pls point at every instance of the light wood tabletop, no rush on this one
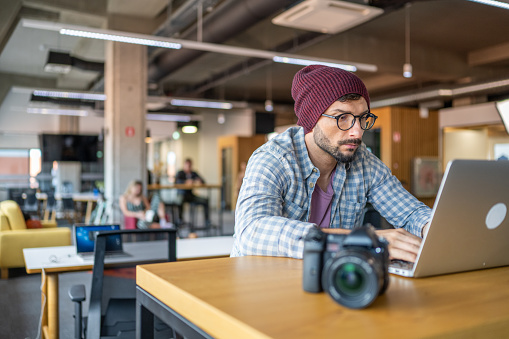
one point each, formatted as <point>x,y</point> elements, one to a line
<point>262,297</point>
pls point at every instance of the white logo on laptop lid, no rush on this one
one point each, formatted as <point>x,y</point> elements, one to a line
<point>496,215</point>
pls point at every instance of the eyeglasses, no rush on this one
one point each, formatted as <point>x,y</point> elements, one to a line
<point>346,121</point>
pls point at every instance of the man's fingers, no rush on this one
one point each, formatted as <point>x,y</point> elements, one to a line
<point>396,253</point>
<point>402,245</point>
<point>405,244</point>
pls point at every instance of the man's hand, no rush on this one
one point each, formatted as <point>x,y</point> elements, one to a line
<point>402,244</point>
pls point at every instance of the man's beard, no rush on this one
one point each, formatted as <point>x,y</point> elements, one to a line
<point>324,144</point>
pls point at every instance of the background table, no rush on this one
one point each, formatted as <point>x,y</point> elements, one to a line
<point>56,260</point>
<point>89,198</point>
<point>208,187</point>
<point>262,297</point>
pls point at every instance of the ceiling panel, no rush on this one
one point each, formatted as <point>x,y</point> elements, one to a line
<point>137,8</point>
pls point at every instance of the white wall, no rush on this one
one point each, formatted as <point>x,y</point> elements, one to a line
<point>467,141</point>
<point>465,144</point>
<point>238,123</point>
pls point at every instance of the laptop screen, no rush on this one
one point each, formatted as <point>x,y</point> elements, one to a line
<point>85,238</point>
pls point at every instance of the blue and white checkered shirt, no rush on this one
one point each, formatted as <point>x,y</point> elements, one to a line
<point>275,198</point>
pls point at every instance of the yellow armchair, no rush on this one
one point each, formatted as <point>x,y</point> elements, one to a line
<point>14,236</point>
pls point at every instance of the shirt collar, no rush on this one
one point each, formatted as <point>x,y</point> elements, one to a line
<point>302,153</point>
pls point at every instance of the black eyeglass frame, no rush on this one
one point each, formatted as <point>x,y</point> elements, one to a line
<point>355,117</point>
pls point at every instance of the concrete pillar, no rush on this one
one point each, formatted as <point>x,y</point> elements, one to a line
<point>124,119</point>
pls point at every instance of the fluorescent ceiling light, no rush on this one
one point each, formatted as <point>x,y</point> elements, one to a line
<point>151,40</point>
<point>307,62</point>
<point>503,110</point>
<point>202,104</point>
<point>55,111</point>
<point>494,3</point>
<point>70,95</point>
<point>152,102</point>
<point>167,117</point>
<point>120,38</point>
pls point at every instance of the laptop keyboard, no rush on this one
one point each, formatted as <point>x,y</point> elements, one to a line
<point>402,264</point>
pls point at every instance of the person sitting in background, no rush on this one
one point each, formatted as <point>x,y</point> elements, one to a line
<point>134,204</point>
<point>190,177</point>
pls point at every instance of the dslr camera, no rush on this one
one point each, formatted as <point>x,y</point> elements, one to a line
<point>352,269</point>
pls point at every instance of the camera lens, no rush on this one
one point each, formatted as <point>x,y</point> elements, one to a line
<point>350,279</point>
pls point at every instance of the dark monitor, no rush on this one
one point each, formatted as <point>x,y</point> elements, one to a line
<point>265,123</point>
<point>71,147</point>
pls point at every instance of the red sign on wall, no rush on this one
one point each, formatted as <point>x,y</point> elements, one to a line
<point>129,131</point>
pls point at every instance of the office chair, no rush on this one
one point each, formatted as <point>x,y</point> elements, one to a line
<point>17,196</point>
<point>119,319</point>
<point>51,207</point>
<point>70,210</point>
<point>373,218</point>
<point>31,204</point>
<point>172,204</point>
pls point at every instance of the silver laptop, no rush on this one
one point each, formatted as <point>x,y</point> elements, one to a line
<point>84,240</point>
<point>469,227</point>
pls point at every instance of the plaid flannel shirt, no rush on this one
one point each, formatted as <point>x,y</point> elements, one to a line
<point>275,197</point>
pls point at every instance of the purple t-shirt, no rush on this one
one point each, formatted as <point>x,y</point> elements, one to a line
<point>321,203</point>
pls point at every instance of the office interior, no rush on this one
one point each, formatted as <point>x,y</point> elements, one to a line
<point>437,72</point>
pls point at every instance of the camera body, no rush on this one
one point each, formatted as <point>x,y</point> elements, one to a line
<point>352,269</point>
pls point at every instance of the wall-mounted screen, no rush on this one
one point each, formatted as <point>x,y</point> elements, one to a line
<point>71,147</point>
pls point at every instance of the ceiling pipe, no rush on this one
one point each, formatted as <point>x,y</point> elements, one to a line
<point>240,14</point>
<point>443,92</point>
<point>252,64</point>
<point>183,17</point>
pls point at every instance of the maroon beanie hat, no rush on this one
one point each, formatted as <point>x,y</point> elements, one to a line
<point>316,87</point>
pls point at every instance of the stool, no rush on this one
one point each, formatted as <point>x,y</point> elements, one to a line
<point>192,211</point>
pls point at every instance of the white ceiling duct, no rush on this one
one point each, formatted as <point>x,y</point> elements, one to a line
<point>326,16</point>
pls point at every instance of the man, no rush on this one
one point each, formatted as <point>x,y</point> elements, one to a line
<point>190,177</point>
<point>320,174</point>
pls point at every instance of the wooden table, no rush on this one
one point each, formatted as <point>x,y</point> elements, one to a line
<point>156,187</point>
<point>56,260</point>
<point>89,198</point>
<point>208,187</point>
<point>262,297</point>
